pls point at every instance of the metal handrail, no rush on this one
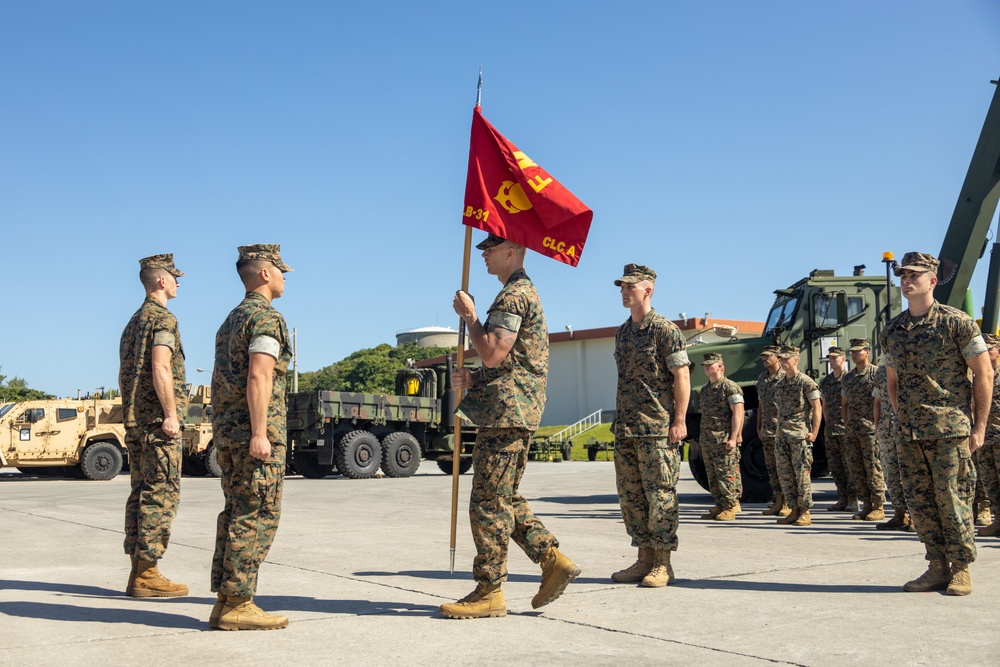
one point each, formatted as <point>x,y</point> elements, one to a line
<point>585,424</point>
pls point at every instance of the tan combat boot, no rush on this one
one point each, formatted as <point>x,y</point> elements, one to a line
<point>936,578</point>
<point>790,518</point>
<point>899,521</point>
<point>712,513</point>
<point>220,603</point>
<point>991,530</point>
<point>484,602</point>
<point>130,586</point>
<point>863,512</point>
<point>961,580</point>
<point>662,573</point>
<point>150,583</point>
<point>877,512</point>
<point>840,505</point>
<point>637,570</point>
<point>728,514</point>
<point>557,573</point>
<point>984,516</point>
<point>779,502</point>
<point>240,613</point>
<point>803,519</point>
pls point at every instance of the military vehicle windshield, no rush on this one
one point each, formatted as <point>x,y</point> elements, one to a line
<point>781,314</point>
<point>5,408</point>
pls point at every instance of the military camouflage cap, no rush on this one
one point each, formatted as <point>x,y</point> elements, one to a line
<point>264,252</point>
<point>992,340</point>
<point>711,358</point>
<point>858,344</point>
<point>917,261</point>
<point>636,273</point>
<point>835,351</point>
<point>789,352</point>
<point>490,241</point>
<point>164,261</point>
<point>771,349</point>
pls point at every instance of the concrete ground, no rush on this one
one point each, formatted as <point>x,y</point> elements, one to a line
<point>360,568</point>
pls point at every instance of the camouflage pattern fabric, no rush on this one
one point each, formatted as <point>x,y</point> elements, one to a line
<point>512,395</point>
<point>831,387</point>
<point>934,396</point>
<point>151,325</point>
<point>929,353</point>
<point>989,467</point>
<point>252,488</point>
<point>886,434</point>
<point>721,465</point>
<point>793,453</point>
<point>248,522</point>
<point>768,422</point>
<point>154,458</point>
<point>646,473</point>
<point>939,481</point>
<point>864,465</point>
<point>497,511</point>
<point>155,476</point>
<point>644,353</point>
<point>979,463</point>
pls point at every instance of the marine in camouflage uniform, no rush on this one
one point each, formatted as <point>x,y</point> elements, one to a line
<point>887,433</point>
<point>831,390</point>
<point>151,354</point>
<point>252,353</point>
<point>721,404</point>
<point>505,401</point>
<point>858,406</point>
<point>799,418</point>
<point>767,422</point>
<point>928,350</point>
<point>989,468</point>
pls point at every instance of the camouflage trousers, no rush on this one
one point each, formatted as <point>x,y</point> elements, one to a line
<point>767,444</point>
<point>939,482</point>
<point>155,466</point>
<point>980,462</point>
<point>988,468</point>
<point>646,473</point>
<point>497,512</point>
<point>247,523</point>
<point>723,469</point>
<point>864,467</point>
<point>887,435</point>
<point>794,456</point>
<point>836,457</point>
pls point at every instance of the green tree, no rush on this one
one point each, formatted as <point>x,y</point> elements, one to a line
<point>16,389</point>
<point>371,370</point>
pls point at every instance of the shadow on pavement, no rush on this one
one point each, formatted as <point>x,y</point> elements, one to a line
<point>283,603</point>
<point>69,612</point>
<point>467,576</point>
<point>780,587</point>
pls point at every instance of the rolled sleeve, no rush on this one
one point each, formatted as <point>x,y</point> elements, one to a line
<point>504,320</point>
<point>265,345</point>
<point>975,347</point>
<point>678,359</point>
<point>166,339</point>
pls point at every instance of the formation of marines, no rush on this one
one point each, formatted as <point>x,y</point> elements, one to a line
<point>915,422</point>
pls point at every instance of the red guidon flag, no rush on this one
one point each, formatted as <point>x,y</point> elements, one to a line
<point>507,194</point>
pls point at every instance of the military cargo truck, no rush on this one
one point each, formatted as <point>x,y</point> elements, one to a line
<point>356,434</point>
<point>77,438</point>
<point>200,458</point>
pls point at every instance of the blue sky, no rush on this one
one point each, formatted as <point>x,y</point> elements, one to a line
<point>732,146</point>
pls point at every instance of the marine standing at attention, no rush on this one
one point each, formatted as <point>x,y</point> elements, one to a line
<point>928,350</point>
<point>831,388</point>
<point>887,433</point>
<point>767,424</point>
<point>151,381</point>
<point>654,386</point>
<point>990,457</point>
<point>720,438</point>
<point>799,418</point>
<point>858,406</point>
<point>505,400</point>
<point>252,353</point>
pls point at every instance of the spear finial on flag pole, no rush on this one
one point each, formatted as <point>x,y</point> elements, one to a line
<point>479,89</point>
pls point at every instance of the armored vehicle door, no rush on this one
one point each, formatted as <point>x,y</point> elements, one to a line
<point>29,431</point>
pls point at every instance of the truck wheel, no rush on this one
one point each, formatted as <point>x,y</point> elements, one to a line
<point>400,455</point>
<point>753,466</point>
<point>211,458</point>
<point>101,461</point>
<point>306,464</point>
<point>697,464</point>
<point>358,455</point>
<point>464,465</point>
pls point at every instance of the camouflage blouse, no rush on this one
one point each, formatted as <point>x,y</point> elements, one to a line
<point>929,354</point>
<point>994,419</point>
<point>151,325</point>
<point>645,352</point>
<point>765,398</point>
<point>793,396</point>
<point>857,389</point>
<point>886,415</point>
<point>253,318</point>
<point>512,395</point>
<point>717,401</point>
<point>832,388</point>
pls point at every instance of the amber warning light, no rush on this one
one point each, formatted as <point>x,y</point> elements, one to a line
<point>887,257</point>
